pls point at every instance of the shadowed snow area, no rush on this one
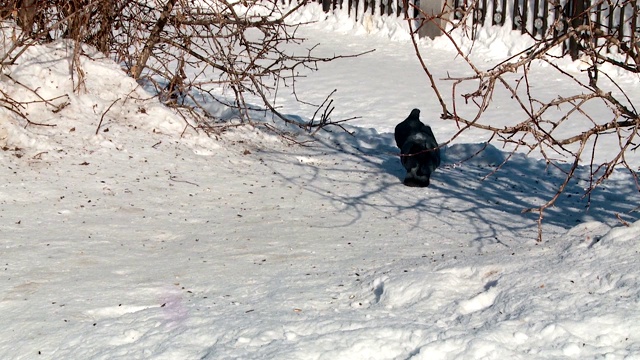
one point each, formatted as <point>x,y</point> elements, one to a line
<point>140,243</point>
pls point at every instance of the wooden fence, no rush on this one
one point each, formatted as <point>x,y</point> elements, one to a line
<point>615,18</point>
<point>357,8</point>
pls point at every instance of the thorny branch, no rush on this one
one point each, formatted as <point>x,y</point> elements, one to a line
<point>536,125</point>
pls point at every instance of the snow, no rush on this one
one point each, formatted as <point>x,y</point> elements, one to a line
<point>148,241</point>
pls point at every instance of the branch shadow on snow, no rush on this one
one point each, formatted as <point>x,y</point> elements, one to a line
<point>362,173</point>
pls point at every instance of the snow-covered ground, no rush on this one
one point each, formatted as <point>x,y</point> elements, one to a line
<point>140,243</point>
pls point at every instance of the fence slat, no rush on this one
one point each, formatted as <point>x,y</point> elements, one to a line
<point>499,12</point>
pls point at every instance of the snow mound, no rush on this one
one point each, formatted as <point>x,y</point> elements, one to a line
<point>392,28</point>
<point>626,234</point>
<point>64,109</point>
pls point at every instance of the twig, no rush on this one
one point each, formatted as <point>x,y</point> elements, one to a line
<point>105,113</point>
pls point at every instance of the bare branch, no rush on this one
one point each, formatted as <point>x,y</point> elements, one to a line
<point>537,120</point>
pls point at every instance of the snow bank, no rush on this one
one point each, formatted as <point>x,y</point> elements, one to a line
<point>132,244</point>
<point>107,102</point>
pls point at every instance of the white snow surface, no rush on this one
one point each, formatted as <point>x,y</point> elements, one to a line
<point>146,241</point>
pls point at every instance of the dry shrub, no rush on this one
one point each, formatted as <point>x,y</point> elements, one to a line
<point>180,50</point>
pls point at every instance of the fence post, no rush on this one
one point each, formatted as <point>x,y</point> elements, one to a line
<point>432,28</point>
<point>326,5</point>
<point>577,17</point>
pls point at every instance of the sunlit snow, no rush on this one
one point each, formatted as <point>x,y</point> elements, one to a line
<point>144,242</point>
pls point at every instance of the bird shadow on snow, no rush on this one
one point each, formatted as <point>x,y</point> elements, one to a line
<point>360,173</point>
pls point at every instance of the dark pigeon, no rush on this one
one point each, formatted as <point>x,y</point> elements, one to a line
<point>419,149</point>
